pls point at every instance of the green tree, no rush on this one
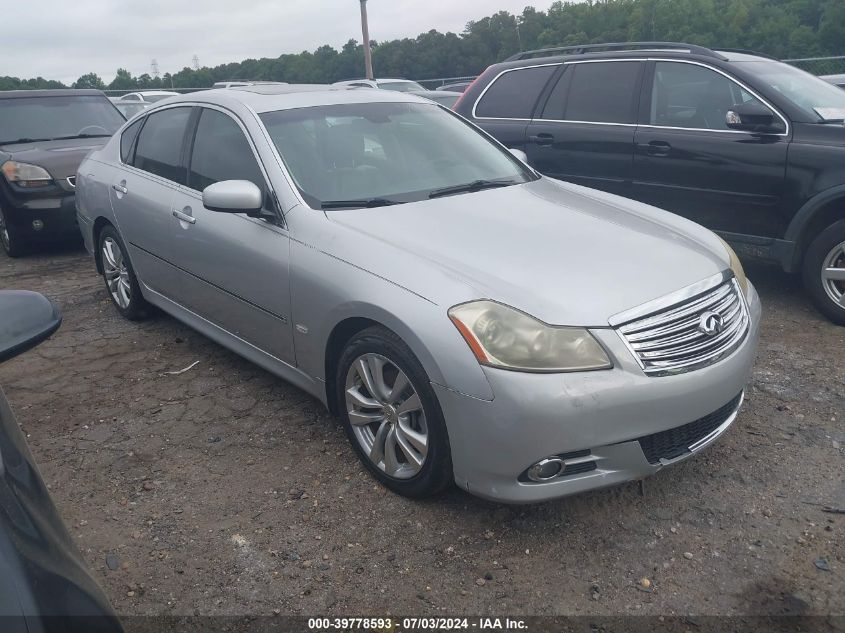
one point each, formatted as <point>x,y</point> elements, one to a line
<point>90,80</point>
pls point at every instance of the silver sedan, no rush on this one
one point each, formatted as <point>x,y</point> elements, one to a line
<point>467,319</point>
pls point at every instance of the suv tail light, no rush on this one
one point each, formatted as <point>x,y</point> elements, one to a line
<point>465,92</point>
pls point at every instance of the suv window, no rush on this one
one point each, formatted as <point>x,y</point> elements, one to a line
<point>221,152</point>
<point>692,96</point>
<point>127,139</point>
<point>159,149</point>
<point>514,94</point>
<point>597,92</point>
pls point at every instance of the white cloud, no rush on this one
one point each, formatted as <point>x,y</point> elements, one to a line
<point>62,40</point>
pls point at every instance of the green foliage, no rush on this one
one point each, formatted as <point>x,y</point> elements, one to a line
<point>783,28</point>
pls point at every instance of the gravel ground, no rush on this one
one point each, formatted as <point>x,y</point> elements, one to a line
<point>224,490</point>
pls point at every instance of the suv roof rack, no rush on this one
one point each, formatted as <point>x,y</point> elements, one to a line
<point>613,46</point>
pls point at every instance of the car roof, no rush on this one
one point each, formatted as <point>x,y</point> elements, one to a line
<point>60,92</point>
<point>268,98</point>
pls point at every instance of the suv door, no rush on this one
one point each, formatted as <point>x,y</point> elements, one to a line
<point>142,191</point>
<point>507,104</point>
<point>236,267</point>
<point>689,162</point>
<point>585,130</point>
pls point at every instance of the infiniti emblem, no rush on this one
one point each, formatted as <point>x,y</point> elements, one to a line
<point>711,323</point>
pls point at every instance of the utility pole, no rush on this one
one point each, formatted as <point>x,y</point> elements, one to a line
<point>368,54</point>
<point>196,61</point>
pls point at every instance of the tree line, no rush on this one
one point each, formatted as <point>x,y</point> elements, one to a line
<point>782,28</point>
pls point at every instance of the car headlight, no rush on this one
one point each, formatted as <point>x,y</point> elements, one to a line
<point>501,336</point>
<point>26,175</point>
<point>736,267</point>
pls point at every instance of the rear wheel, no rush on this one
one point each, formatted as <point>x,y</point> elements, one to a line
<point>824,272</point>
<point>12,243</point>
<point>119,276</point>
<point>391,414</point>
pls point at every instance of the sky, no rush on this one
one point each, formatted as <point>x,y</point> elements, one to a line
<point>57,39</point>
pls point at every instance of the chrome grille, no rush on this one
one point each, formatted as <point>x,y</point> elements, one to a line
<point>71,180</point>
<point>697,331</point>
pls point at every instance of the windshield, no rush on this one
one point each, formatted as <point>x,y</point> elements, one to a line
<point>372,154</point>
<point>400,86</point>
<point>47,118</point>
<point>815,96</point>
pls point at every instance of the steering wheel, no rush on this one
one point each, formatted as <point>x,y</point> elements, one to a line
<point>97,129</point>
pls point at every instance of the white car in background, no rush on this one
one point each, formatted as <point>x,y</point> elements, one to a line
<point>147,96</point>
<point>397,85</point>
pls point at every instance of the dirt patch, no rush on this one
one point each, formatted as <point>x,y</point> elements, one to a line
<point>224,490</point>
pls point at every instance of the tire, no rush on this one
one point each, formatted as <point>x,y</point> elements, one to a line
<point>119,276</point>
<point>391,445</point>
<point>12,243</point>
<point>827,290</point>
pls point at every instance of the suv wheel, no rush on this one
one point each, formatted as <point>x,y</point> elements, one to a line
<point>119,276</point>
<point>9,239</point>
<point>391,414</point>
<point>824,272</point>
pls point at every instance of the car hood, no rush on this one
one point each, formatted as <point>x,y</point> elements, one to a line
<point>60,158</point>
<point>566,254</point>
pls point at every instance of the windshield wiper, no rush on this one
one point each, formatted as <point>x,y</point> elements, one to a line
<point>475,185</point>
<point>71,136</point>
<point>365,203</point>
<point>24,140</point>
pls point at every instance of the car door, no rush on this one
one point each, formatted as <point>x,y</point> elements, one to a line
<point>584,133</point>
<point>507,104</point>
<point>689,162</point>
<point>142,193</point>
<point>235,268</point>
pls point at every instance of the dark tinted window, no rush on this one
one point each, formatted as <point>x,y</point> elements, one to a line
<point>221,152</point>
<point>688,95</point>
<point>603,92</point>
<point>159,146</point>
<point>126,140</point>
<point>514,94</point>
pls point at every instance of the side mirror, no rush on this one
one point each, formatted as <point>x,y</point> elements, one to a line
<point>28,319</point>
<point>752,117</point>
<point>233,196</point>
<point>520,155</point>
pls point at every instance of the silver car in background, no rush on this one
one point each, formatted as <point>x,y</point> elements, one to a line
<point>467,319</point>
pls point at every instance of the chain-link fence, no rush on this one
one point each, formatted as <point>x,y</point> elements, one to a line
<point>820,65</point>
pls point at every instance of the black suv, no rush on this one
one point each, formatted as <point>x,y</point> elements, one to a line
<point>748,146</point>
<point>44,135</point>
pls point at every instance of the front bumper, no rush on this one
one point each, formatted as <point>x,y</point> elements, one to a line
<point>56,216</point>
<point>588,417</point>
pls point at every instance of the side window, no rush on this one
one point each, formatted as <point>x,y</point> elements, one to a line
<point>602,92</point>
<point>127,139</point>
<point>221,152</point>
<point>514,94</point>
<point>692,96</point>
<point>159,148</point>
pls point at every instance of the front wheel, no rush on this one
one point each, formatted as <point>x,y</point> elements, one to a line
<point>119,276</point>
<point>391,414</point>
<point>11,242</point>
<point>824,272</point>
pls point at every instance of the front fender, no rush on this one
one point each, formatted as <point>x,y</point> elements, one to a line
<point>326,290</point>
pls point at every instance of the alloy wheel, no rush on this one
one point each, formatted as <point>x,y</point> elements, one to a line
<point>833,274</point>
<point>387,416</point>
<point>116,273</point>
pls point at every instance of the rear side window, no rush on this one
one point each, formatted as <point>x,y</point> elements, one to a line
<point>514,94</point>
<point>159,149</point>
<point>127,139</point>
<point>599,92</point>
<point>221,152</point>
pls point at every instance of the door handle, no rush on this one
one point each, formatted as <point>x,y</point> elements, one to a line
<point>657,148</point>
<point>120,189</point>
<point>184,217</point>
<point>542,139</point>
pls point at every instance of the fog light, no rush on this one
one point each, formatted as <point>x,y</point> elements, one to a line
<point>546,469</point>
<point>37,225</point>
